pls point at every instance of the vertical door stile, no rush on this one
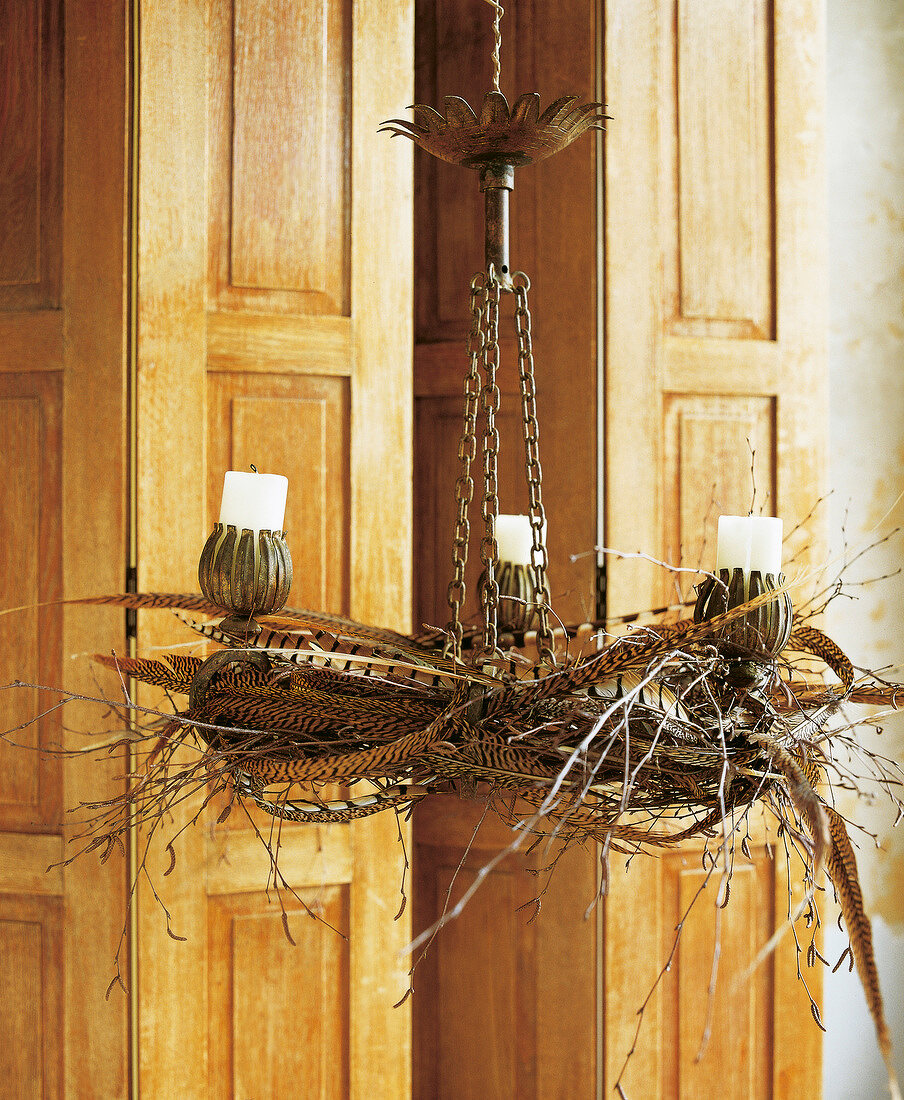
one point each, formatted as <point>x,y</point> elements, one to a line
<point>381,513</point>
<point>94,456</point>
<point>171,420</point>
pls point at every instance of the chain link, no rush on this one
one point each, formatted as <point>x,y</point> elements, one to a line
<point>483,351</point>
<point>489,401</point>
<point>467,451</point>
<point>532,463</point>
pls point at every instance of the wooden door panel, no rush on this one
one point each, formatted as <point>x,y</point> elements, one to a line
<point>454,45</point>
<point>311,857</point>
<point>278,1014</point>
<point>62,407</point>
<point>740,1034</point>
<point>20,427</point>
<point>280,141</point>
<point>297,425</point>
<point>438,431</point>
<point>519,997</point>
<point>553,212</point>
<point>703,435</point>
<point>739,1043</point>
<point>699,1048</point>
<point>31,155</point>
<point>712,236</point>
<point>479,986</point>
<point>31,985</point>
<point>279,343</point>
<point>717,161</point>
<point>31,575</point>
<point>709,250</point>
<point>505,994</point>
<point>95,489</point>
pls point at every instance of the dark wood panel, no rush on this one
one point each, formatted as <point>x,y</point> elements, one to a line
<point>21,1061</point>
<point>31,341</point>
<point>454,44</point>
<point>546,1046</point>
<point>296,425</point>
<point>30,574</point>
<point>475,983</point>
<point>553,215</point>
<point>438,428</point>
<point>280,186</point>
<point>20,144</point>
<point>504,997</point>
<point>479,961</point>
<point>30,153</point>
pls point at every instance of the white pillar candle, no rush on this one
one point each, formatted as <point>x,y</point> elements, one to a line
<point>515,539</point>
<point>749,543</point>
<point>255,501</point>
<point>766,545</point>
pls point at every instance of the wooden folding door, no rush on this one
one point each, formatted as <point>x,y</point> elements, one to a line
<point>63,209</point>
<point>273,327</point>
<point>692,242</point>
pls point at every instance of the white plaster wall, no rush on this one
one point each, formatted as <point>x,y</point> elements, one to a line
<point>865,148</point>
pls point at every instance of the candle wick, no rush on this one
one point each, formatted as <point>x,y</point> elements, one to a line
<point>253,468</point>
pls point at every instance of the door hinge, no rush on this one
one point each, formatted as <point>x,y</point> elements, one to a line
<point>131,612</point>
<point>600,611</point>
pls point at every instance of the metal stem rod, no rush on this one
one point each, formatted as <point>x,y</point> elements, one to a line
<point>496,181</point>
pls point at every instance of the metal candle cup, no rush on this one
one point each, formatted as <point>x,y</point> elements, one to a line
<point>245,576</point>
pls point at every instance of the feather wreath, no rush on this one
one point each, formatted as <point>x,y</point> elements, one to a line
<point>666,733</point>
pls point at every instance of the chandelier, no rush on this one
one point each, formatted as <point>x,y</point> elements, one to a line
<point>668,732</point>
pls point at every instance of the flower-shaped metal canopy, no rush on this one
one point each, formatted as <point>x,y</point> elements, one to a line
<point>499,136</point>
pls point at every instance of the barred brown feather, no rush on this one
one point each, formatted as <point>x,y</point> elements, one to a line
<point>842,869</point>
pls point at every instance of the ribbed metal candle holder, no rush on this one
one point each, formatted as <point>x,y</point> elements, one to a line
<point>518,587</point>
<point>245,577</point>
<point>767,627</point>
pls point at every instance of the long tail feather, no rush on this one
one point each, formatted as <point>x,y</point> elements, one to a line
<point>842,869</point>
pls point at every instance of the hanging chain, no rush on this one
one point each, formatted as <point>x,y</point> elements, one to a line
<point>467,451</point>
<point>483,351</point>
<point>532,463</point>
<point>489,401</point>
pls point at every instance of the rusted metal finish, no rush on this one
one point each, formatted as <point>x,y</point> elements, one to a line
<point>202,679</point>
<point>496,223</point>
<point>483,350</point>
<point>533,470</point>
<point>517,137</point>
<point>518,588</point>
<point>467,452</point>
<point>244,577</point>
<point>767,627</point>
<point>495,144</point>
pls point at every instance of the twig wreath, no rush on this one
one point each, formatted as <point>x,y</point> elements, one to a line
<point>665,733</point>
